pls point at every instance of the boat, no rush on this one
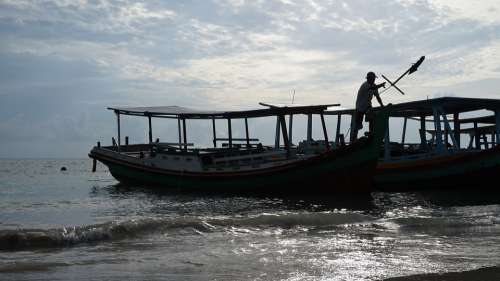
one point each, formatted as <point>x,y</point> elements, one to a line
<point>241,164</point>
<point>459,150</point>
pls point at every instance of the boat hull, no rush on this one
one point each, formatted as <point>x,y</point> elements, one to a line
<point>347,169</point>
<point>344,170</point>
<point>478,170</point>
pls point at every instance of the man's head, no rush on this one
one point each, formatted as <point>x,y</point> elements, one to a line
<point>370,77</point>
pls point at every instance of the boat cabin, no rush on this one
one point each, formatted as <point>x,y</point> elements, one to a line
<point>231,152</point>
<point>444,126</point>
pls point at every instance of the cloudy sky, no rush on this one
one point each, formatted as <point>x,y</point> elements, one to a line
<point>62,62</point>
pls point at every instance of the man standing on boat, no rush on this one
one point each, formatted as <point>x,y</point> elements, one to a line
<point>364,104</point>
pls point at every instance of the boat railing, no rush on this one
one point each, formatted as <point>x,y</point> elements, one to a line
<point>128,148</point>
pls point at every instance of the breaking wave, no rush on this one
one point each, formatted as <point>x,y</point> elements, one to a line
<point>446,222</point>
<point>70,236</point>
<point>288,220</point>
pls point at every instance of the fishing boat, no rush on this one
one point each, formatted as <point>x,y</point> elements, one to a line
<point>460,149</point>
<point>240,164</point>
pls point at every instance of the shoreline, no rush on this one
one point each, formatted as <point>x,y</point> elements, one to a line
<point>484,274</point>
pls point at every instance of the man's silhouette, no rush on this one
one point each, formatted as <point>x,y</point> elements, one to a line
<point>364,103</point>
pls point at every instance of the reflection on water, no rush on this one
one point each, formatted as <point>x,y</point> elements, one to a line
<point>79,225</point>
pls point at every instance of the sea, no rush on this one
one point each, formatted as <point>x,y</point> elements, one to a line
<point>79,225</point>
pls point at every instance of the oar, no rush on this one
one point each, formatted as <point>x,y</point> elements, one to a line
<point>392,85</point>
<point>410,70</point>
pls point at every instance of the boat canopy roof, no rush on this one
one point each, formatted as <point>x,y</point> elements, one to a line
<point>449,105</point>
<point>189,113</point>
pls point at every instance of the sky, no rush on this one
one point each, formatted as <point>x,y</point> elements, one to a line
<point>63,62</point>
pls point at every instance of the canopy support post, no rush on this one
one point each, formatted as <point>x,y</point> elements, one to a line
<point>179,130</point>
<point>246,133</point>
<point>309,127</point>
<point>497,126</point>
<point>214,133</point>
<point>387,144</point>
<point>118,125</point>
<point>325,133</point>
<point>403,137</point>
<point>471,136</point>
<point>285,134</point>
<point>448,129</point>
<point>229,133</point>
<point>437,127</point>
<point>277,136</point>
<point>476,137</point>
<point>150,130</point>
<point>337,131</point>
<point>290,126</point>
<point>456,128</point>
<point>423,139</point>
<point>184,133</point>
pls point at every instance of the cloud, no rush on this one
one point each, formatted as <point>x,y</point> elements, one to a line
<point>61,58</point>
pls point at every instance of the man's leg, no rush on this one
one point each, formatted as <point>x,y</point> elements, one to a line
<point>357,125</point>
<point>354,127</point>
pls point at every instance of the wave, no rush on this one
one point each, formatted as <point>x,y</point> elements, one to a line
<point>69,236</point>
<point>110,231</point>
<point>446,222</point>
<point>289,220</point>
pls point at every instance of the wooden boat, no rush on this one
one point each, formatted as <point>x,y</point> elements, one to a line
<point>458,152</point>
<point>244,164</point>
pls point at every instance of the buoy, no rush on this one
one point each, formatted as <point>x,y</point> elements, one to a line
<point>63,169</point>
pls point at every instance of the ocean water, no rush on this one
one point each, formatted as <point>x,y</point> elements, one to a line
<point>78,225</point>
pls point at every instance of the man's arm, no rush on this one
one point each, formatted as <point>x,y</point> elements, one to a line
<point>378,98</point>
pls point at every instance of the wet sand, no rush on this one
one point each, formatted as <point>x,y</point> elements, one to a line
<point>482,274</point>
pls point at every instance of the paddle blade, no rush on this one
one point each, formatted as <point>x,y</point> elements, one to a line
<point>415,66</point>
